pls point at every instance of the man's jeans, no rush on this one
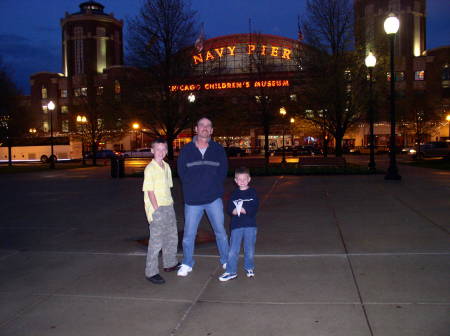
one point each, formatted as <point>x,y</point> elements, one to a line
<point>248,234</point>
<point>192,216</point>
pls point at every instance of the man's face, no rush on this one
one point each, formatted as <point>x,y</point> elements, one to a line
<point>204,128</point>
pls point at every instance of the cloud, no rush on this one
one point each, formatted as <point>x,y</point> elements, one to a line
<point>24,57</point>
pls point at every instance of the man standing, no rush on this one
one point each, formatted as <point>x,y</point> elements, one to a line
<point>202,167</point>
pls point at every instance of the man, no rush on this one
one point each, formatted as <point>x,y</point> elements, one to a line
<point>202,167</point>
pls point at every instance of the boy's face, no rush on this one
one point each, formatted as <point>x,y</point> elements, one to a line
<point>242,180</point>
<point>159,151</point>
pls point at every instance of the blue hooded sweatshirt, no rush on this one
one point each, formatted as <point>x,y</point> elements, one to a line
<point>202,176</point>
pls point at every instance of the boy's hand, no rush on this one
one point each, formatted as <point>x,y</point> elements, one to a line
<point>234,212</point>
<point>243,211</point>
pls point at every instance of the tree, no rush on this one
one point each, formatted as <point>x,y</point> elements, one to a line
<point>104,111</point>
<point>14,120</point>
<point>158,36</point>
<point>332,87</point>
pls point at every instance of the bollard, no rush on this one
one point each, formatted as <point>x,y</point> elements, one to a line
<point>114,167</point>
<point>121,167</point>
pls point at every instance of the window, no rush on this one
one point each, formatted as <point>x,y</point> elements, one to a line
<point>45,109</point>
<point>78,50</point>
<point>399,76</point>
<point>309,113</point>
<point>63,93</point>
<point>117,87</point>
<point>77,92</point>
<point>83,91</point>
<point>65,126</point>
<point>99,90</point>
<point>44,92</point>
<point>419,75</point>
<point>445,76</point>
<point>64,109</point>
<point>293,97</point>
<point>45,126</point>
<point>388,76</point>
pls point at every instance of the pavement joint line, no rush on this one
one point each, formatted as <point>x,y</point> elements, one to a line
<point>14,252</point>
<point>301,255</point>
<point>349,261</point>
<point>318,303</point>
<point>193,303</point>
<point>272,188</point>
<point>110,297</point>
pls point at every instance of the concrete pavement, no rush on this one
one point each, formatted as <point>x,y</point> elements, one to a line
<point>336,255</point>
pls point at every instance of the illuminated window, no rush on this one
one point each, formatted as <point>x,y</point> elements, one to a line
<point>293,97</point>
<point>419,75</point>
<point>64,109</point>
<point>45,109</point>
<point>44,92</point>
<point>83,91</point>
<point>77,92</point>
<point>388,76</point>
<point>445,76</point>
<point>117,87</point>
<point>100,123</point>
<point>309,113</point>
<point>45,126</point>
<point>65,126</point>
<point>99,90</point>
<point>63,93</point>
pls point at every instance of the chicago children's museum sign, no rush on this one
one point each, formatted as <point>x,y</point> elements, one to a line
<point>249,49</point>
<point>229,85</point>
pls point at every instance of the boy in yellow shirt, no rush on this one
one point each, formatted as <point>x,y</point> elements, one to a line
<point>160,214</point>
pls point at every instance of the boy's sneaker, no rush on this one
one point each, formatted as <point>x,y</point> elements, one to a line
<point>184,270</point>
<point>250,274</point>
<point>227,276</point>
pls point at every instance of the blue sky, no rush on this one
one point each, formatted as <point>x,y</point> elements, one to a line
<point>30,36</point>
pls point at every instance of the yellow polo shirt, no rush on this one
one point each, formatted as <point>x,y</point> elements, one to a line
<point>158,180</point>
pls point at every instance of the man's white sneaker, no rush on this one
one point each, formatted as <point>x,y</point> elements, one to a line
<point>250,274</point>
<point>227,276</point>
<point>184,270</point>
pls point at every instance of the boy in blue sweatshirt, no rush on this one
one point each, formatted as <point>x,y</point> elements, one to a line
<point>242,206</point>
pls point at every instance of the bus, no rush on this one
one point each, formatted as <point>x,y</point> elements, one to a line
<point>35,149</point>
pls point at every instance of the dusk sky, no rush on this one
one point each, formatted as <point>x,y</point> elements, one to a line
<point>30,33</point>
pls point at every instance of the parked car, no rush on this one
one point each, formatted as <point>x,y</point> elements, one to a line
<point>102,154</point>
<point>235,151</point>
<point>432,149</point>
<point>366,150</point>
<point>138,153</point>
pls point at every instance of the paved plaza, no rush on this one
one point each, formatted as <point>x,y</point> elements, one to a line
<point>336,255</point>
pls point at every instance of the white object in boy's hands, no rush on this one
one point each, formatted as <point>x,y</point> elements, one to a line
<point>238,203</point>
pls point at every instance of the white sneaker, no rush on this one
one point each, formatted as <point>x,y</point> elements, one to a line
<point>224,266</point>
<point>227,276</point>
<point>250,274</point>
<point>184,270</point>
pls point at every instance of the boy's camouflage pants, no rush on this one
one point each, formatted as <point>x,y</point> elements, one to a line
<point>163,235</point>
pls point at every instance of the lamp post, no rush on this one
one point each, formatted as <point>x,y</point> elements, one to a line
<point>283,114</point>
<point>51,106</point>
<point>292,120</point>
<point>81,120</point>
<point>136,128</point>
<point>391,25</point>
<point>191,100</point>
<point>448,120</point>
<point>371,61</point>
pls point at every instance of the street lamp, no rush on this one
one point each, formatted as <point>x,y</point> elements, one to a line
<point>391,26</point>
<point>136,128</point>
<point>51,106</point>
<point>82,120</point>
<point>371,61</point>
<point>283,113</point>
<point>191,98</point>
<point>32,131</point>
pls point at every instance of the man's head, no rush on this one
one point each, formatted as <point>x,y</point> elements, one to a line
<point>242,177</point>
<point>159,148</point>
<point>204,128</point>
